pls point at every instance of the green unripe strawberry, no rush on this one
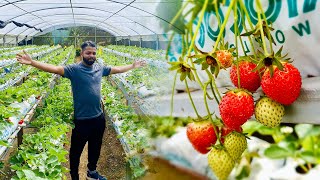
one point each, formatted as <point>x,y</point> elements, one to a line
<point>220,162</point>
<point>235,143</point>
<point>269,112</point>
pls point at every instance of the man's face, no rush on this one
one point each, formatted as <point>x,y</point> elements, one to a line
<point>89,55</point>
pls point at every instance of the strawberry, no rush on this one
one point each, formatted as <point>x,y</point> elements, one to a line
<point>224,57</point>
<point>284,86</point>
<point>220,162</point>
<point>269,112</point>
<point>202,136</point>
<point>249,79</point>
<point>236,107</point>
<point>225,131</point>
<point>21,121</point>
<point>235,143</point>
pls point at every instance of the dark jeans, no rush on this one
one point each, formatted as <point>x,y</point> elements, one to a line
<point>91,131</point>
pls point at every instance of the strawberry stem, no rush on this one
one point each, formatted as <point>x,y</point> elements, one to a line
<point>173,88</point>
<point>203,10</point>
<point>261,33</point>
<point>218,17</point>
<point>267,26</point>
<point>223,26</point>
<point>210,80</point>
<point>188,91</point>
<point>207,108</point>
<point>243,15</point>
<point>236,41</point>
<point>215,96</point>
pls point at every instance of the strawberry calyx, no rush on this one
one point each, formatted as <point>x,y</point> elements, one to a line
<point>271,61</point>
<point>239,91</point>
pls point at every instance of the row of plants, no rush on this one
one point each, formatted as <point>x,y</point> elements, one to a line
<point>42,154</point>
<point>17,96</point>
<point>138,52</point>
<point>35,52</point>
<point>142,82</point>
<point>10,76</point>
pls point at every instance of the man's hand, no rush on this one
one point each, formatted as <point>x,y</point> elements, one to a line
<point>24,58</point>
<point>137,64</point>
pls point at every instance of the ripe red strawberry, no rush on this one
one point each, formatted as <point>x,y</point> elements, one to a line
<point>248,79</point>
<point>225,131</point>
<point>201,135</point>
<point>220,162</point>
<point>236,107</point>
<point>269,112</point>
<point>235,143</point>
<point>225,58</point>
<point>284,86</point>
<point>21,121</point>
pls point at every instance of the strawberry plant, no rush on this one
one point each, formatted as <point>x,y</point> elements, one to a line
<point>265,67</point>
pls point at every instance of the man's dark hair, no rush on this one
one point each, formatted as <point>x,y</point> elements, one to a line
<point>86,44</point>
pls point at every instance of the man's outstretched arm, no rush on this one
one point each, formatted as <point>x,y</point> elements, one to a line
<point>122,69</point>
<point>26,59</point>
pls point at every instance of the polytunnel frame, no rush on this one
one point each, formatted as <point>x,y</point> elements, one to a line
<point>72,7</point>
<point>80,7</point>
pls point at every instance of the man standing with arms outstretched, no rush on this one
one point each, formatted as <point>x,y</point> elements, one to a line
<point>89,119</point>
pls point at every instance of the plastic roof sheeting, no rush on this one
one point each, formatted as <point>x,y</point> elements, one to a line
<point>118,17</point>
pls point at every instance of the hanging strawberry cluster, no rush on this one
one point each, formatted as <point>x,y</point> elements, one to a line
<point>280,82</point>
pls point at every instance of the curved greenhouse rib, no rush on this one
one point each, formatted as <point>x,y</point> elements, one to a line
<point>80,7</point>
<point>148,13</point>
<point>63,20</point>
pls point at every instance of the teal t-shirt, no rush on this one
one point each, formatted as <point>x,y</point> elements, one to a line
<point>86,88</point>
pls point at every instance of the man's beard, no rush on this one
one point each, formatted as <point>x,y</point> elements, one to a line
<point>89,61</point>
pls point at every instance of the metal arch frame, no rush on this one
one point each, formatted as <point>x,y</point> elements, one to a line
<point>64,26</point>
<point>128,5</point>
<point>90,15</point>
<point>82,19</point>
<point>61,25</point>
<point>81,7</point>
<point>114,32</point>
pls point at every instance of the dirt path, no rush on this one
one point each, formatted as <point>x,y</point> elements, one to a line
<point>111,163</point>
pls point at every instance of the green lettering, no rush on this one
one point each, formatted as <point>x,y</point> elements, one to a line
<point>292,7</point>
<point>202,34</point>
<point>247,50</point>
<point>309,5</point>
<point>213,34</point>
<point>301,28</point>
<point>280,36</point>
<point>272,12</point>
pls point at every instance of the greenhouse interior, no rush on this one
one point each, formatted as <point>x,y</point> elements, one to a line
<point>194,90</point>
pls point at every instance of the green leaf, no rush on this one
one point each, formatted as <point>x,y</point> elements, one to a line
<point>183,76</point>
<point>251,126</point>
<point>4,143</point>
<point>308,143</point>
<point>191,76</point>
<point>278,53</point>
<point>303,130</point>
<point>309,156</point>
<point>174,67</point>
<point>198,61</point>
<point>204,65</point>
<point>276,152</point>
<point>31,175</point>
<point>247,33</point>
<point>267,131</point>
